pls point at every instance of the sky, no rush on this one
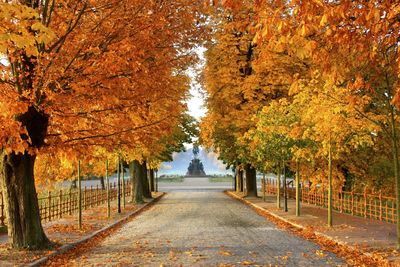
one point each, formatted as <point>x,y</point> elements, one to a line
<point>196,102</point>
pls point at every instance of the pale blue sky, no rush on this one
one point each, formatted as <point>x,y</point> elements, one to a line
<point>196,102</point>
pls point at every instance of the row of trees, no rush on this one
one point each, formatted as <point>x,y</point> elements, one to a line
<point>89,80</point>
<point>308,85</point>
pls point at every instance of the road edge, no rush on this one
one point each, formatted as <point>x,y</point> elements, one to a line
<point>68,247</point>
<point>323,238</point>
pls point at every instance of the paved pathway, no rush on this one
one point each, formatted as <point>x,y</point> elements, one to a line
<point>195,184</point>
<point>203,229</point>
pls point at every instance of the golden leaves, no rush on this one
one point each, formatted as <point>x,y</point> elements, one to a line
<point>324,20</point>
<point>22,29</point>
<point>303,31</point>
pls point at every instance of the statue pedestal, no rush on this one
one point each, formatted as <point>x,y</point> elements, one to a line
<point>196,168</point>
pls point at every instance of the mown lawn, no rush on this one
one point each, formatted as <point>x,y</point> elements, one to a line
<point>222,179</point>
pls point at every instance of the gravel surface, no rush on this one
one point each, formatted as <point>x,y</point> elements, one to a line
<point>203,229</point>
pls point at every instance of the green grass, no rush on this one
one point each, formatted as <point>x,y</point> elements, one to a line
<point>171,179</point>
<point>222,179</point>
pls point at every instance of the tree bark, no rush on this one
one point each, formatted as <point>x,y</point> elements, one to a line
<point>108,192</point>
<point>251,181</point>
<point>239,178</point>
<point>285,196</point>
<point>263,186</point>
<point>156,180</point>
<point>235,185</point>
<point>395,152</point>
<point>137,187</point>
<point>145,181</point>
<point>119,185</point>
<point>18,185</point>
<point>278,187</point>
<point>123,183</point>
<point>297,188</point>
<point>330,184</point>
<point>21,204</point>
<point>152,188</point>
<point>103,185</point>
<point>79,196</point>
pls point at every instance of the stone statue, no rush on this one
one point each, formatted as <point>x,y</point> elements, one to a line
<point>196,167</point>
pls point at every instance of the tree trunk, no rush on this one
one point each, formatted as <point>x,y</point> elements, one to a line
<point>118,185</point>
<point>152,188</point>
<point>395,151</point>
<point>132,172</point>
<point>108,192</point>
<point>21,203</point>
<point>123,183</point>
<point>297,188</point>
<point>79,196</point>
<point>239,180</point>
<point>103,186</point>
<point>263,186</point>
<point>18,185</point>
<point>137,187</point>
<point>330,184</point>
<point>251,181</point>
<point>285,196</point>
<point>145,181</point>
<point>278,187</point>
<point>235,185</point>
<point>156,180</point>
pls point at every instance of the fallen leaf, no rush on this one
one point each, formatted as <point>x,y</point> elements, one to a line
<point>246,262</point>
<point>225,253</point>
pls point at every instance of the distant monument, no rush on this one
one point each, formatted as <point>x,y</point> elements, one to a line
<point>196,167</point>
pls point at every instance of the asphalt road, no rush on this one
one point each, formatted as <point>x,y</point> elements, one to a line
<point>203,229</point>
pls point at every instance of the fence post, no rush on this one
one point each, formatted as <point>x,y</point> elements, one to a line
<point>394,204</point>
<point>49,202</point>
<point>341,200</point>
<point>380,205</point>
<point>315,196</point>
<point>60,205</point>
<point>70,201</point>
<point>91,202</point>
<point>365,202</point>
<point>97,195</point>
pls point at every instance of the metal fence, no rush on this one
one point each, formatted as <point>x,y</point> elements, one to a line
<point>368,205</point>
<point>65,202</point>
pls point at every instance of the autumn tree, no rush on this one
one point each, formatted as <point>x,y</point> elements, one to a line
<point>230,91</point>
<point>353,45</point>
<point>79,75</point>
